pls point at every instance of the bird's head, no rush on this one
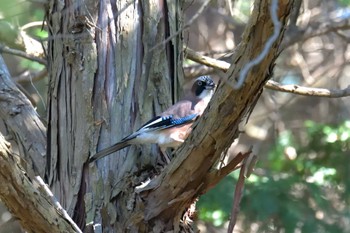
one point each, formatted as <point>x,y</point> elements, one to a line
<point>203,87</point>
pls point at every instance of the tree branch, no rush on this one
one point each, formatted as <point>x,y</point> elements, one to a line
<point>273,85</point>
<point>5,49</point>
<point>205,60</point>
<point>216,176</point>
<point>14,40</point>
<point>219,126</point>
<point>237,198</point>
<point>23,121</point>
<point>30,200</point>
<point>309,91</point>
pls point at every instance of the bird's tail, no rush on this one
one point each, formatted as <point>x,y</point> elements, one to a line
<point>109,150</point>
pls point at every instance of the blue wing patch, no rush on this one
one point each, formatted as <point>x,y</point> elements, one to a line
<point>161,122</point>
<point>168,121</point>
<point>183,120</point>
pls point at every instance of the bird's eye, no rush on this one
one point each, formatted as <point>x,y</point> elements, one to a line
<point>199,83</point>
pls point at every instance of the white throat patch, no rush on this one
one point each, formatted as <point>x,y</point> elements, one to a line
<point>206,95</point>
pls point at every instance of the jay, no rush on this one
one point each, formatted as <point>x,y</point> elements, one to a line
<point>171,128</point>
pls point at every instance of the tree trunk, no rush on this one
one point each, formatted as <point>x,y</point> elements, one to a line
<point>106,80</point>
<point>107,77</point>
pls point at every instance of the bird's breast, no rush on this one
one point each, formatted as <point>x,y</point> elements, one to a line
<point>171,137</point>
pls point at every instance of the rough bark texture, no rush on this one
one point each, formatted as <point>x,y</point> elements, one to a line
<point>105,80</point>
<point>72,64</point>
<point>23,123</point>
<point>25,200</point>
<point>169,193</point>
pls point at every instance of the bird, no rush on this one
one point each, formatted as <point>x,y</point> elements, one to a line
<point>170,128</point>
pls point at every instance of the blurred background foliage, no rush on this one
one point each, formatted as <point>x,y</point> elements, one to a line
<point>22,28</point>
<point>303,186</point>
<point>301,181</point>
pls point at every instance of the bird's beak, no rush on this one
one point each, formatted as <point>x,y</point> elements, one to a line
<point>210,87</point>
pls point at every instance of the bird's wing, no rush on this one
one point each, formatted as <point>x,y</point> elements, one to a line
<point>162,122</point>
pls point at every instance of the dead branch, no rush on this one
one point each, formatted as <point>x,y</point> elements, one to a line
<point>237,198</point>
<point>205,60</point>
<point>23,121</point>
<point>273,85</point>
<point>309,91</point>
<point>30,201</point>
<point>219,125</point>
<point>19,53</point>
<point>216,176</point>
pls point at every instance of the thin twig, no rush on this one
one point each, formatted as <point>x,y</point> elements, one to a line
<point>33,24</point>
<point>237,198</point>
<point>214,177</point>
<point>309,91</point>
<point>185,27</point>
<point>5,49</point>
<point>27,76</point>
<point>297,35</point>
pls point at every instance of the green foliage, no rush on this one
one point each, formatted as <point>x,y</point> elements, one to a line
<point>344,2</point>
<point>19,12</point>
<point>216,205</point>
<point>307,190</point>
<point>17,17</point>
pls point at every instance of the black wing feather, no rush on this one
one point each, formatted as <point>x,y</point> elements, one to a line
<point>168,121</point>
